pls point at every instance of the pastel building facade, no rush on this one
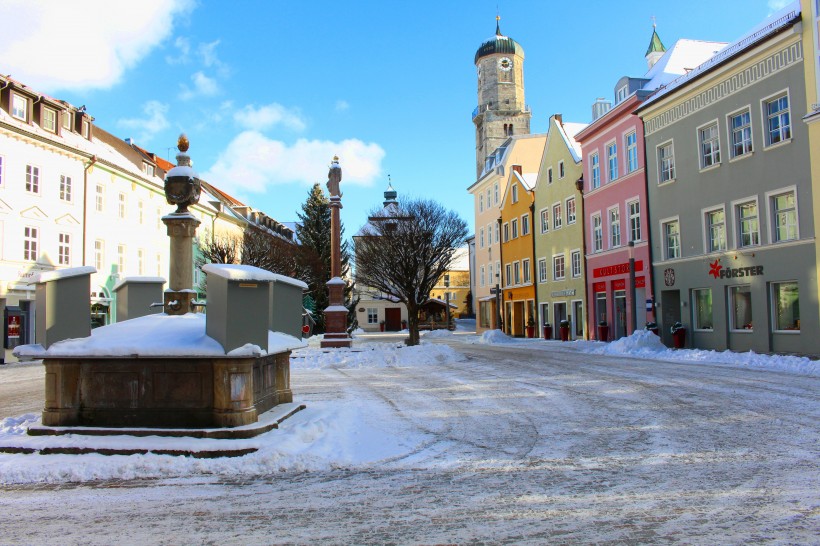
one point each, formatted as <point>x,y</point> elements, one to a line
<point>559,232</point>
<point>731,193</point>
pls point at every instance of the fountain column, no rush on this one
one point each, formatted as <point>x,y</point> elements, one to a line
<point>336,313</point>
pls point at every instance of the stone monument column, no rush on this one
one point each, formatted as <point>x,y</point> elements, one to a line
<point>336,312</point>
<point>182,188</point>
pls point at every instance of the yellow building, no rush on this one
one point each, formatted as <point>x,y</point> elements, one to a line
<point>456,283</point>
<point>517,286</point>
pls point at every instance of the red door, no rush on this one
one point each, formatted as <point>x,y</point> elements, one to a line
<point>392,319</point>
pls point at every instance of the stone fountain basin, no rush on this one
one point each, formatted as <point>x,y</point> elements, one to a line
<point>162,371</point>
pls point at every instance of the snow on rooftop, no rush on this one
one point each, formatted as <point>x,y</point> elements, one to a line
<point>137,280</point>
<point>66,273</point>
<point>568,131</point>
<point>683,57</point>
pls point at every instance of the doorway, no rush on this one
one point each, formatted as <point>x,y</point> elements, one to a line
<point>620,313</point>
<point>392,319</point>
<point>670,313</point>
<point>559,310</point>
<point>518,318</point>
<point>578,319</point>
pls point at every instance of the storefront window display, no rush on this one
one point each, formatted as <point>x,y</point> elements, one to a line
<point>786,306</point>
<point>702,305</point>
<point>740,298</point>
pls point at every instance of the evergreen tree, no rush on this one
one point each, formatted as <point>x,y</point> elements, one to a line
<point>313,232</point>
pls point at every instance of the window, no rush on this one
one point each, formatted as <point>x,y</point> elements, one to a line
<point>514,225</point>
<point>508,272</point>
<point>506,232</point>
<point>50,120</point>
<point>525,224</point>
<point>561,169</point>
<point>575,258</point>
<point>666,163</point>
<point>702,309</point>
<point>481,238</point>
<point>99,198</point>
<point>597,234</point>
<point>85,128</point>
<point>66,120</point>
<point>517,272</point>
<point>571,211</point>
<point>99,254</point>
<point>487,203</point>
<point>715,230</point>
<point>121,259</point>
<point>786,306</point>
<point>557,220</point>
<point>525,265</point>
<point>612,160</point>
<point>148,169</point>
<point>558,267</point>
<point>123,204</point>
<point>498,268</point>
<point>621,94</point>
<point>740,299</point>
<point>634,220</point>
<point>65,187</point>
<point>19,107</point>
<point>671,235</point>
<point>595,171</point>
<point>549,175</point>
<point>741,127</point>
<point>140,211</point>
<point>1,170</point>
<point>30,242</point>
<point>159,218</point>
<point>140,261</point>
<point>542,270</point>
<point>545,220</point>
<point>785,216</point>
<point>495,193</point>
<point>480,202</point>
<point>778,123</point>
<point>709,146</point>
<point>490,274</point>
<point>372,315</point>
<point>632,152</point>
<point>481,276</point>
<point>495,232</point>
<point>32,179</point>
<point>747,224</point>
<point>64,249</point>
<point>614,228</point>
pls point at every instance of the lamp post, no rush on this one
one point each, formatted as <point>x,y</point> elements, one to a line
<point>634,314</point>
<point>447,298</point>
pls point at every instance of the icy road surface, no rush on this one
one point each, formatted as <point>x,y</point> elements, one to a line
<point>490,444</point>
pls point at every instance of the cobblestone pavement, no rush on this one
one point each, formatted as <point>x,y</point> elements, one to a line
<point>521,446</point>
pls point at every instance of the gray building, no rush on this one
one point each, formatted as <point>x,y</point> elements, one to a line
<point>730,198</point>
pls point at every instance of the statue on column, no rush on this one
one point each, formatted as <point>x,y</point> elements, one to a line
<point>334,177</point>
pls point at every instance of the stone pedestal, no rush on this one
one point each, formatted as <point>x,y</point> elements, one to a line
<point>181,230</point>
<point>336,313</point>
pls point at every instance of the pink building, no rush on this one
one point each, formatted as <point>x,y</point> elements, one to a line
<point>617,225</point>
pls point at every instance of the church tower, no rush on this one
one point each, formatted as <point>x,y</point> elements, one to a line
<point>501,111</point>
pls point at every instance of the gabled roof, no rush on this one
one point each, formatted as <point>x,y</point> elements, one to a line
<point>679,60</point>
<point>568,131</point>
<point>526,180</point>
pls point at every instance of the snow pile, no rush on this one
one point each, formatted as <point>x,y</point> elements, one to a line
<point>373,355</point>
<point>494,337</point>
<point>645,344</point>
<point>432,334</point>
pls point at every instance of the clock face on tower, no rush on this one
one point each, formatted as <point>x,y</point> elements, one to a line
<point>504,63</point>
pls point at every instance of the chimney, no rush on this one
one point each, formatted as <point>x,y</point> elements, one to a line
<point>517,168</point>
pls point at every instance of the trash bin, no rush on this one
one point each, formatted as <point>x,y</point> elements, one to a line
<point>678,335</point>
<point>603,331</point>
<point>652,327</point>
<point>547,331</point>
<point>563,329</point>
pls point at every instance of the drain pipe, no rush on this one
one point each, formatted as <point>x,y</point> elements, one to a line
<point>86,170</point>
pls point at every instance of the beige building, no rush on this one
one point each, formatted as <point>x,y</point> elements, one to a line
<point>559,232</point>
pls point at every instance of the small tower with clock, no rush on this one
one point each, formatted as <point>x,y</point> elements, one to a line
<point>501,111</point>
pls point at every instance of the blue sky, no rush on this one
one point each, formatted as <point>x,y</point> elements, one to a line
<point>269,91</point>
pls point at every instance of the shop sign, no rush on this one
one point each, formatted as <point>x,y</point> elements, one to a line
<point>617,269</point>
<point>640,282</point>
<point>599,287</point>
<point>562,293</point>
<point>619,284</point>
<point>717,271</point>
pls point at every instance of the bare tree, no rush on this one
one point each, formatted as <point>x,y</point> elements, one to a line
<point>405,249</point>
<point>216,249</point>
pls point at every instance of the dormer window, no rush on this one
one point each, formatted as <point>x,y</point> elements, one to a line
<point>148,169</point>
<point>50,120</point>
<point>621,94</point>
<point>67,120</point>
<point>19,107</point>
<point>86,129</point>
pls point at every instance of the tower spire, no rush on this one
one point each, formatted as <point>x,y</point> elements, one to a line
<point>656,48</point>
<point>498,25</point>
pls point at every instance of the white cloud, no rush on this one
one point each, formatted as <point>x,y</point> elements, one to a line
<point>184,50</point>
<point>203,87</point>
<point>82,44</point>
<point>776,5</point>
<point>147,127</point>
<point>265,117</point>
<point>342,105</point>
<point>253,162</point>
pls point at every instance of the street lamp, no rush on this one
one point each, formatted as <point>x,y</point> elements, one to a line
<point>447,298</point>
<point>634,314</point>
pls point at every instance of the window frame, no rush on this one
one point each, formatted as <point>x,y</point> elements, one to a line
<point>556,260</point>
<point>557,216</point>
<point>714,153</point>
<point>574,218</point>
<point>44,119</point>
<point>372,315</point>
<point>737,220</point>
<point>32,179</point>
<point>545,219</point>
<point>481,238</point>
<point>595,170</point>
<point>730,132</point>
<point>707,225</point>
<point>614,226</point>
<point>774,307</point>
<point>526,271</point>
<point>732,290</point>
<point>525,224</point>
<point>612,172</point>
<point>122,258</point>
<point>31,243</point>
<point>122,206</point>
<point>480,202</point>
<point>662,172</point>
<point>561,170</point>
<point>665,239</point>
<point>696,326</point>
<point>517,272</point>
<point>64,248</point>
<point>576,272</point>
<point>767,132</point>
<point>99,255</point>
<point>631,152</point>
<point>772,212</point>
<point>543,276</point>
<point>597,234</point>
<point>514,192</point>
<point>66,189</point>
<point>632,217</point>
<point>13,107</point>
<point>99,198</point>
<point>514,228</point>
